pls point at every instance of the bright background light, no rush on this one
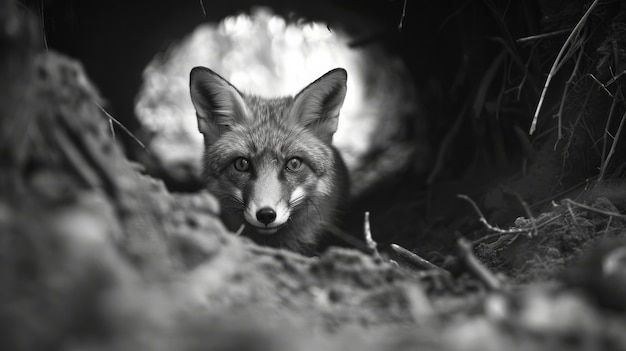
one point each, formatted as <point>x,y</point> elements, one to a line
<point>263,54</point>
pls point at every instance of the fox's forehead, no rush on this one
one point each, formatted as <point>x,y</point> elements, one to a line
<point>264,109</point>
<point>273,138</point>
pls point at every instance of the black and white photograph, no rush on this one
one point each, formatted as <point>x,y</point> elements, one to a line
<point>333,175</point>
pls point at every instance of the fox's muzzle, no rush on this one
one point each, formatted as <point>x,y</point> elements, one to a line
<point>267,206</point>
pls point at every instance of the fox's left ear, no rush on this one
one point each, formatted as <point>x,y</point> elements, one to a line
<point>219,105</point>
<point>317,106</point>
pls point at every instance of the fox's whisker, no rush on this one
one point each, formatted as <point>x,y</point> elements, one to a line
<point>297,201</point>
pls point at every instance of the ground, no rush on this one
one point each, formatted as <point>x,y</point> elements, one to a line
<point>97,255</point>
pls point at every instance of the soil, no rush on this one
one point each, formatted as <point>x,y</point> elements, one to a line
<point>97,255</point>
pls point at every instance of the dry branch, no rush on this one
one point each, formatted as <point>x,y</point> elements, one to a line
<point>607,160</point>
<point>476,267</point>
<point>558,61</point>
<point>596,210</point>
<point>417,260</point>
<point>542,36</point>
<point>367,232</point>
<point>484,221</point>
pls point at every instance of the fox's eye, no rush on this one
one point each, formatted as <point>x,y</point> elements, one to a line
<point>242,164</point>
<point>294,164</point>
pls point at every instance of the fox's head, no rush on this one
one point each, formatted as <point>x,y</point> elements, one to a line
<point>268,159</point>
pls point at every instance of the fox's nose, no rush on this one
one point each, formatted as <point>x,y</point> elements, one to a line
<point>266,215</point>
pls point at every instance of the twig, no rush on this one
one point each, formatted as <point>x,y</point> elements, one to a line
<point>528,212</point>
<point>568,83</point>
<point>476,267</point>
<point>603,86</point>
<point>75,159</point>
<point>607,160</point>
<point>571,213</point>
<point>542,36</point>
<point>518,61</point>
<point>367,232</point>
<point>608,225</point>
<point>605,138</point>
<point>483,220</point>
<point>348,239</point>
<point>613,78</point>
<point>557,62</point>
<point>43,26</point>
<point>203,9</point>
<point>416,260</point>
<point>596,210</point>
<point>402,18</point>
<point>119,124</point>
<point>536,225</point>
<point>240,230</point>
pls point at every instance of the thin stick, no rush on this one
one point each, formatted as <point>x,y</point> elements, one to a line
<point>476,267</point>
<point>367,231</point>
<point>203,9</point>
<point>542,36</point>
<point>571,213</point>
<point>402,18</point>
<point>596,210</point>
<point>76,159</point>
<point>483,220</point>
<point>568,83</point>
<point>43,26</point>
<point>348,239</point>
<point>605,139</point>
<point>557,62</point>
<point>614,78</point>
<point>111,118</point>
<point>606,161</point>
<point>537,226</point>
<point>416,260</point>
<point>528,212</point>
<point>603,86</point>
<point>240,230</point>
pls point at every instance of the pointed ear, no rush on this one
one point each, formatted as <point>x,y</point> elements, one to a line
<point>317,106</point>
<point>219,105</point>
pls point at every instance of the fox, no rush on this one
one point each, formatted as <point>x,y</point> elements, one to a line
<point>270,160</point>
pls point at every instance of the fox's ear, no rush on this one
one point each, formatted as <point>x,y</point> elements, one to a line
<point>317,106</point>
<point>219,105</point>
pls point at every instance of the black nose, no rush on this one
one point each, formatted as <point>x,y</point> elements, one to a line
<point>266,215</point>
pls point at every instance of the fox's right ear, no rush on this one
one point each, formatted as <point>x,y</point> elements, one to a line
<point>219,105</point>
<point>317,106</point>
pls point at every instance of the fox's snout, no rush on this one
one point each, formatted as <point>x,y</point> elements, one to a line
<point>269,203</point>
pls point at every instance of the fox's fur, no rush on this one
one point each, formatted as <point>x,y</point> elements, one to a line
<point>273,157</point>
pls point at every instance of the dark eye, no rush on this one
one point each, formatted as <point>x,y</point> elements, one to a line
<point>242,164</point>
<point>294,164</point>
